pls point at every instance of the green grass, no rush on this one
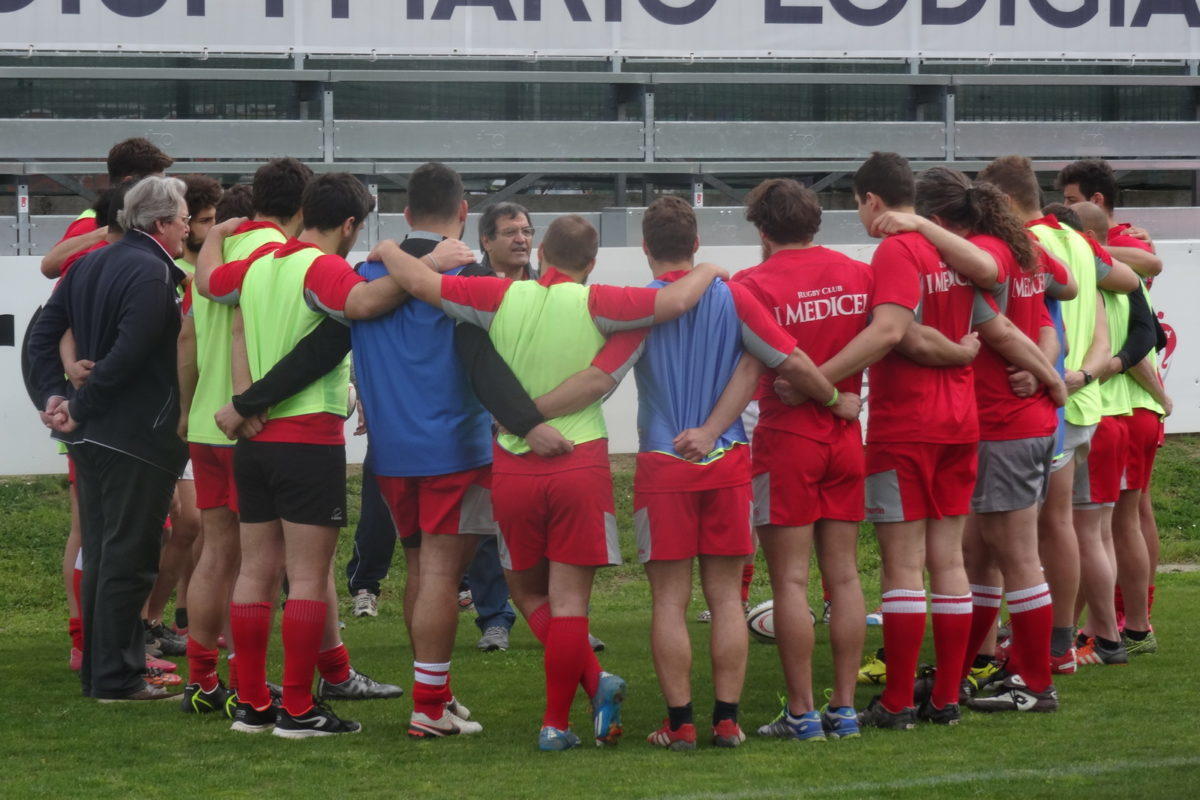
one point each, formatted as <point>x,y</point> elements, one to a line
<point>1121,730</point>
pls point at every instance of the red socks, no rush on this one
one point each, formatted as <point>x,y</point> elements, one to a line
<point>303,629</point>
<point>75,624</point>
<point>431,684</point>
<point>566,658</point>
<point>202,665</point>
<point>951,629</point>
<point>1031,619</point>
<point>75,629</point>
<point>334,664</point>
<point>251,627</point>
<point>233,673</point>
<point>903,630</point>
<point>539,623</point>
<point>1119,606</point>
<point>747,579</point>
<point>985,607</point>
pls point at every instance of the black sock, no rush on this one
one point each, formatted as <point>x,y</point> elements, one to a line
<point>1107,644</point>
<point>1081,640</point>
<point>181,618</point>
<point>982,660</point>
<point>1137,636</point>
<point>679,715</point>
<point>722,710</point>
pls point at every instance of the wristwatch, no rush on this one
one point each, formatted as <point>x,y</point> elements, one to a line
<point>1087,377</point>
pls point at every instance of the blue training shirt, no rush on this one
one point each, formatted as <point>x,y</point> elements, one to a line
<point>687,363</point>
<point>422,415</point>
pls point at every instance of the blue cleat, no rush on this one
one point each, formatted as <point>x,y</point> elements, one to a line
<point>554,739</point>
<point>840,723</point>
<point>808,728</point>
<point>606,709</point>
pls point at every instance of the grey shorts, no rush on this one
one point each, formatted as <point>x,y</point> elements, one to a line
<point>1077,441</point>
<point>1013,474</point>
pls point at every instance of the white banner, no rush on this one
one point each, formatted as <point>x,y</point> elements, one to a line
<point>26,449</point>
<point>811,29</point>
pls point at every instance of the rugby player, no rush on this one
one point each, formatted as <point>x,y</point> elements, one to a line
<point>922,438</point>
<point>808,461</point>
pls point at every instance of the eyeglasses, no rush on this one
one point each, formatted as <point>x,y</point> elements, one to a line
<point>512,233</point>
<point>185,219</point>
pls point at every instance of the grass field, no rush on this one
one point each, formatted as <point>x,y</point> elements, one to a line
<point>1121,730</point>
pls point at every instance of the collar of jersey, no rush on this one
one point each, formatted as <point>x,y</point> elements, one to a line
<point>433,237</point>
<point>251,225</point>
<point>1049,220</point>
<point>552,276</point>
<point>293,245</point>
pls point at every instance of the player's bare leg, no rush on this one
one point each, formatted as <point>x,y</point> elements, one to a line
<point>837,554</point>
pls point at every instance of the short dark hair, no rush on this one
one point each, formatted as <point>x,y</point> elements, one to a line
<point>110,203</point>
<point>490,220</point>
<point>333,198</point>
<point>202,192</point>
<point>784,210</point>
<point>1094,176</point>
<point>237,201</point>
<point>669,229</point>
<point>1014,176</point>
<point>135,159</point>
<point>1064,214</point>
<point>279,186</point>
<point>434,192</point>
<point>888,177</point>
<point>570,243</point>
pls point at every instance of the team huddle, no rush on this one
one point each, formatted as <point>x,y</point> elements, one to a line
<point>1015,408</point>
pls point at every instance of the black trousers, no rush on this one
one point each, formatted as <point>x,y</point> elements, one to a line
<point>123,503</point>
<point>374,539</point>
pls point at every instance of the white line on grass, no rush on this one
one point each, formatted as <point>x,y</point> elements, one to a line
<point>866,787</point>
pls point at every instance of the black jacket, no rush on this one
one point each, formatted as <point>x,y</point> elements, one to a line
<point>122,305</point>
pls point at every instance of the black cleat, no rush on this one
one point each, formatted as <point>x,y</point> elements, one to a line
<point>317,721</point>
<point>876,716</point>
<point>248,719</point>
<point>947,715</point>
<point>1014,695</point>
<point>197,701</point>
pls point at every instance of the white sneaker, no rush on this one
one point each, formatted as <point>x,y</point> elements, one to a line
<point>366,604</point>
<point>422,726</point>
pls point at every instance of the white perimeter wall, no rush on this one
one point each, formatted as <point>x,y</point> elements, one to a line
<point>26,449</point>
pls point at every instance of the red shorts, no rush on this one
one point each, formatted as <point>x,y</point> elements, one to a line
<point>566,516</point>
<point>1105,464</point>
<point>212,472</point>
<point>709,517</point>
<point>909,481</point>
<point>798,481</point>
<point>1145,430</point>
<point>458,502</point>
<point>70,470</point>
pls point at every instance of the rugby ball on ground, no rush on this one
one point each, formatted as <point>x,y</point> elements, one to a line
<point>761,621</point>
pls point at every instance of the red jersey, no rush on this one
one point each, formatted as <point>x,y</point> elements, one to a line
<point>1020,296</point>
<point>910,402</point>
<point>822,298</point>
<point>1117,237</point>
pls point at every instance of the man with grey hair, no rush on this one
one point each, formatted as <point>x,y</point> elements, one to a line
<point>120,425</point>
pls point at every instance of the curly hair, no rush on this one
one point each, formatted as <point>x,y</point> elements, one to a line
<point>978,207</point>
